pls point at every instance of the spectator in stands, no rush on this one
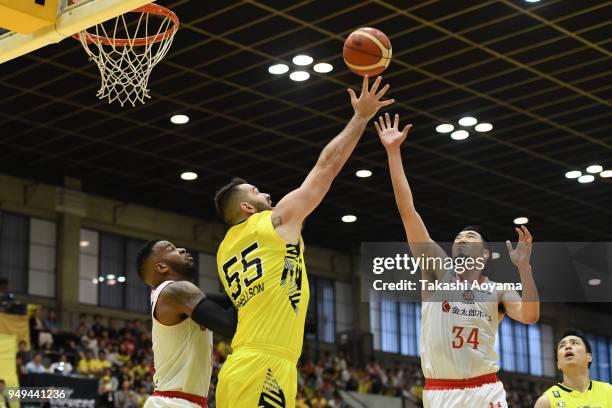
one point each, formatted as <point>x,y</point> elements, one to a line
<point>61,367</point>
<point>90,341</point>
<point>40,336</point>
<point>113,332</point>
<point>6,297</point>
<point>21,370</point>
<point>104,362</point>
<point>126,398</point>
<point>4,401</point>
<point>106,388</point>
<point>142,396</point>
<point>24,353</point>
<point>128,328</point>
<point>51,323</point>
<point>36,365</point>
<point>89,365</point>
<point>83,322</point>
<point>97,326</point>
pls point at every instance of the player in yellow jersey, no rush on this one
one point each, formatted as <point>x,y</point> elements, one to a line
<point>577,390</point>
<point>261,265</point>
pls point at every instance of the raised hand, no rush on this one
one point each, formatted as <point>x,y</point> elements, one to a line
<point>521,255</point>
<point>369,101</point>
<point>390,135</point>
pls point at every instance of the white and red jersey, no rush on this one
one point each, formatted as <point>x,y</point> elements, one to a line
<point>458,338</point>
<point>182,354</point>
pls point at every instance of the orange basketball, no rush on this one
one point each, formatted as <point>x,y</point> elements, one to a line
<point>367,51</point>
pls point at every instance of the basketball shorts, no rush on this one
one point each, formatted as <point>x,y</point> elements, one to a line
<point>254,378</point>
<point>480,392</point>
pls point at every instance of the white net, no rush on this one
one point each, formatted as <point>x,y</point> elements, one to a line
<point>126,63</point>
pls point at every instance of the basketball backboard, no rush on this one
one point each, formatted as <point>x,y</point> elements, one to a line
<point>26,25</point>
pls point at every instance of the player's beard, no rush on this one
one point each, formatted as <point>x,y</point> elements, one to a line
<point>261,206</point>
<point>185,269</point>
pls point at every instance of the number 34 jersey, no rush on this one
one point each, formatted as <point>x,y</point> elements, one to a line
<point>266,279</point>
<point>458,338</point>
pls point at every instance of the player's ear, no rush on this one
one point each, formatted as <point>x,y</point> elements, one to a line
<point>589,357</point>
<point>486,253</point>
<point>247,207</point>
<point>161,267</point>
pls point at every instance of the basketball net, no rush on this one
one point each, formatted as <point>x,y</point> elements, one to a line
<point>127,48</point>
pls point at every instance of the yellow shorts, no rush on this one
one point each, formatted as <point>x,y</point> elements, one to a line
<point>252,379</point>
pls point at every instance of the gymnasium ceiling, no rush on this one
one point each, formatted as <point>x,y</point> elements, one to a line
<point>541,73</point>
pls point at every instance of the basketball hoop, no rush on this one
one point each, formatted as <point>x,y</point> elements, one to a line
<point>127,48</point>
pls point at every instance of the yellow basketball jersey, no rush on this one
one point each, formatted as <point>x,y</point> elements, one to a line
<point>266,279</point>
<point>598,395</point>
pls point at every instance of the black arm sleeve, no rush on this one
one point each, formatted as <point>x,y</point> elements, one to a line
<point>216,318</point>
<point>221,299</point>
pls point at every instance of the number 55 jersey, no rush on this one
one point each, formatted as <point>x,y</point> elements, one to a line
<point>266,279</point>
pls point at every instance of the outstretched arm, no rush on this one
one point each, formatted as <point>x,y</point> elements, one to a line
<point>526,309</point>
<point>183,299</point>
<point>291,210</point>
<point>416,233</point>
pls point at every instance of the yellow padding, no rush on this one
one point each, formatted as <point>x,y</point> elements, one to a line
<point>27,16</point>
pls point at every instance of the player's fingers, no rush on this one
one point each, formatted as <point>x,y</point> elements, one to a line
<point>521,236</point>
<point>527,233</point>
<point>387,119</point>
<point>352,94</point>
<point>382,122</point>
<point>376,85</point>
<point>383,91</point>
<point>386,103</point>
<point>377,127</point>
<point>366,84</point>
<point>406,130</point>
<point>396,121</point>
<point>509,246</point>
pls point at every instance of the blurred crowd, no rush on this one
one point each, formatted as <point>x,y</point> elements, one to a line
<point>119,355</point>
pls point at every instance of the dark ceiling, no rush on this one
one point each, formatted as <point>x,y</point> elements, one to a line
<point>541,73</point>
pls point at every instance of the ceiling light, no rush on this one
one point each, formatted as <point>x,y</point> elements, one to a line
<point>573,174</point>
<point>460,135</point>
<point>84,244</point>
<point>483,127</point>
<point>299,76</point>
<point>349,218</point>
<point>468,121</point>
<point>363,173</point>
<point>594,282</point>
<point>302,60</point>
<point>110,276</point>
<point>94,281</point>
<point>587,178</point>
<point>444,128</point>
<point>521,220</point>
<point>179,119</point>
<point>278,69</point>
<point>594,169</point>
<point>606,173</point>
<point>121,279</point>
<point>323,67</point>
<point>101,278</point>
<point>495,255</point>
<point>532,1</point>
<point>111,282</point>
<point>189,175</point>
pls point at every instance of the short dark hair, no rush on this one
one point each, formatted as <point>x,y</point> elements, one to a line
<point>143,255</point>
<point>477,229</point>
<point>224,195</point>
<point>577,333</point>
